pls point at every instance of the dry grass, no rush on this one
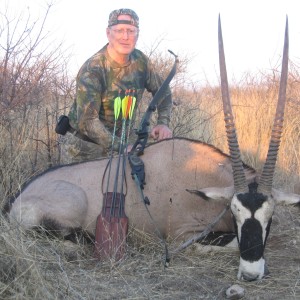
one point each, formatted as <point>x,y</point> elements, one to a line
<point>35,267</point>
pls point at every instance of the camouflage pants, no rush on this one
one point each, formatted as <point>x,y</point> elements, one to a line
<point>74,149</point>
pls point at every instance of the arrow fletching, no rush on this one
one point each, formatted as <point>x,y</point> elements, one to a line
<point>132,107</point>
<point>124,106</point>
<point>117,107</point>
<point>129,104</point>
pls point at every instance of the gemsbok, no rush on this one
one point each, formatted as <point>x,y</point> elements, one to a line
<point>188,183</point>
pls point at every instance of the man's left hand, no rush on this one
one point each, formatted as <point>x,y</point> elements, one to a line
<point>161,132</point>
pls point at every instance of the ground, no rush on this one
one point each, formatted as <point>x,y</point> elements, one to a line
<point>33,267</point>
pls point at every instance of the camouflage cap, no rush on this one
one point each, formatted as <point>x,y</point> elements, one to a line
<point>113,17</point>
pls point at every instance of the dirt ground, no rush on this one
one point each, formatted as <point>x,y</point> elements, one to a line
<point>32,267</point>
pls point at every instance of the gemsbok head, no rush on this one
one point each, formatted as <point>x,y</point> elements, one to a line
<point>252,206</point>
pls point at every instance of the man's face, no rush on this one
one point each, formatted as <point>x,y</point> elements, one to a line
<point>122,37</point>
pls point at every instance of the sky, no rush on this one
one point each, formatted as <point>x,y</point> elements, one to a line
<point>253,31</point>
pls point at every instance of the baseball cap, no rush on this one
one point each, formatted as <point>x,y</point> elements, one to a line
<point>113,17</point>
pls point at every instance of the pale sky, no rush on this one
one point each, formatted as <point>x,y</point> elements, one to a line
<point>253,30</point>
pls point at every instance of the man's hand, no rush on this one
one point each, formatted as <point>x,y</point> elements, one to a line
<point>161,132</point>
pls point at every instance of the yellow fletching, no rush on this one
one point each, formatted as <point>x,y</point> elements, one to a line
<point>132,107</point>
<point>124,106</point>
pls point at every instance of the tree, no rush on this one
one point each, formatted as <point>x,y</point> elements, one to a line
<point>34,89</point>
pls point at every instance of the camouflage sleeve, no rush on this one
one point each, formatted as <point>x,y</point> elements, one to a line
<point>164,106</point>
<point>88,98</point>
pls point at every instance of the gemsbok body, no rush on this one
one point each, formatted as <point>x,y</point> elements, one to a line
<point>70,197</point>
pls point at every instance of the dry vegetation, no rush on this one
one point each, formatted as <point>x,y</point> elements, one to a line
<point>35,90</point>
<point>34,267</point>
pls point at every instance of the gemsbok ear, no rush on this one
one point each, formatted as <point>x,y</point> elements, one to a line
<point>214,193</point>
<point>285,198</point>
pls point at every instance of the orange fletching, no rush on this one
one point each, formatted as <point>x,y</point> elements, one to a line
<point>128,105</point>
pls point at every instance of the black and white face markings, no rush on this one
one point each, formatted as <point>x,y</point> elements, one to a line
<point>252,214</point>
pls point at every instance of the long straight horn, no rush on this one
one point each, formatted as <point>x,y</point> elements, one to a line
<point>239,178</point>
<point>266,179</point>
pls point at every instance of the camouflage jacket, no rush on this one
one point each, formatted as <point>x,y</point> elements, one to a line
<point>100,80</point>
